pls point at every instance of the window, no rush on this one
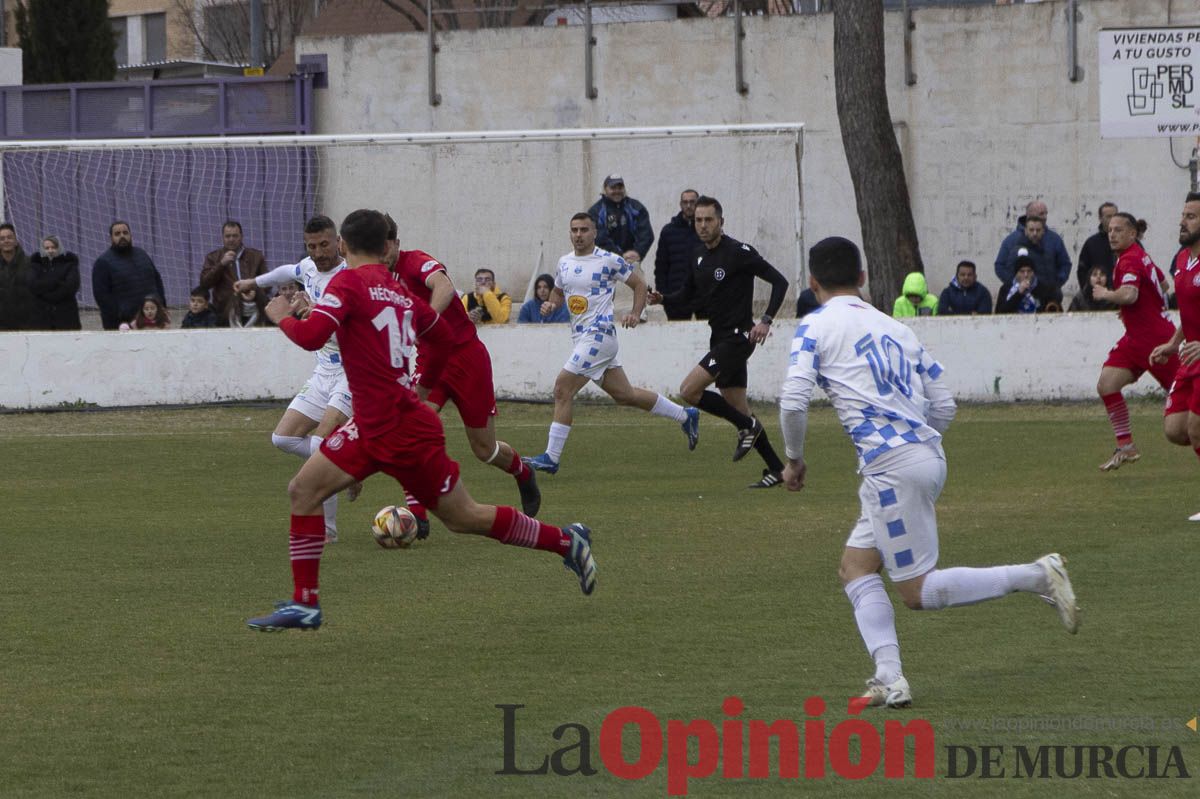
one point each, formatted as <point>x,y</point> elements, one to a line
<point>121,32</point>
<point>154,37</point>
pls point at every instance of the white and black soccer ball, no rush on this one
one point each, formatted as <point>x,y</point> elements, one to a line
<point>394,527</point>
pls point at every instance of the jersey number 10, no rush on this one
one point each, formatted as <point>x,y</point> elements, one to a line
<point>889,367</point>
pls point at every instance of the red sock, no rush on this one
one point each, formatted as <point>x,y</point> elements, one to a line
<point>306,542</point>
<point>516,529</point>
<point>518,469</point>
<point>1118,417</point>
<point>415,506</point>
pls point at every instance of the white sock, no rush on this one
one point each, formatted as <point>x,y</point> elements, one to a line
<point>664,407</point>
<point>330,505</point>
<point>557,440</point>
<point>949,588</point>
<point>876,620</point>
<point>296,445</point>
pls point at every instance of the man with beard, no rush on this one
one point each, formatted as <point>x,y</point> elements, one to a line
<point>122,277</point>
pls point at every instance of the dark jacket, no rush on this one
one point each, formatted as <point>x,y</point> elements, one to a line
<point>16,301</point>
<point>219,279</point>
<point>677,248</point>
<point>204,319</point>
<point>54,283</point>
<point>1054,261</point>
<point>1095,252</point>
<point>121,282</point>
<point>623,227</point>
<point>1083,301</point>
<point>957,300</point>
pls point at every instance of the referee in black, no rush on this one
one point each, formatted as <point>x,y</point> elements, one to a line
<point>721,286</point>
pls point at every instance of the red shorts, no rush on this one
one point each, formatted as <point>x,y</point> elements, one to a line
<point>1185,391</point>
<point>467,379</point>
<point>413,452</point>
<point>1135,356</point>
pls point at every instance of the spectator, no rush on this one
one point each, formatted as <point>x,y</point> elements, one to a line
<point>915,299</point>
<point>122,277</point>
<point>1085,301</point>
<point>487,305</point>
<point>247,309</point>
<point>622,223</point>
<point>1025,293</point>
<point>226,265</point>
<point>965,295</point>
<point>1097,251</point>
<point>153,315</point>
<point>806,303</point>
<point>16,301</point>
<point>1051,261</point>
<point>676,254</point>
<point>531,311</point>
<point>199,314</point>
<point>54,281</point>
<point>288,290</point>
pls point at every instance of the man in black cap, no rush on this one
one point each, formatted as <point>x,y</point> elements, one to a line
<point>622,223</point>
<point>1026,292</point>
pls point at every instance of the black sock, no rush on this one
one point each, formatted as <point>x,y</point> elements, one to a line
<point>767,452</point>
<point>714,403</point>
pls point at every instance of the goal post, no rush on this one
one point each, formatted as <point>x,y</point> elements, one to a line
<point>492,199</point>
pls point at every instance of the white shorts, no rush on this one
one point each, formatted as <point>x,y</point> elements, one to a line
<point>898,515</point>
<point>323,390</point>
<point>594,354</point>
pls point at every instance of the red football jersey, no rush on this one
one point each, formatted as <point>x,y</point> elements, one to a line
<point>1187,292</point>
<point>377,323</point>
<point>414,267</point>
<point>1146,318</point>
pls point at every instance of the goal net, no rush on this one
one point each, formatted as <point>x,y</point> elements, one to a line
<point>500,200</point>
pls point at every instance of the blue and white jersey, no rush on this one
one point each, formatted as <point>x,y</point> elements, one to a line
<point>588,283</point>
<point>887,389</point>
<point>314,281</point>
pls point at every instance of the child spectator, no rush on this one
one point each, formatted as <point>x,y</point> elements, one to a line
<point>915,299</point>
<point>531,311</point>
<point>1085,301</point>
<point>1025,292</point>
<point>244,310</point>
<point>199,313</point>
<point>965,295</point>
<point>153,315</point>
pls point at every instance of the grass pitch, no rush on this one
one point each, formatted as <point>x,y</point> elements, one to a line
<point>135,545</point>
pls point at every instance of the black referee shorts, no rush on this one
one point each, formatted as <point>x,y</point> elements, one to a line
<point>726,360</point>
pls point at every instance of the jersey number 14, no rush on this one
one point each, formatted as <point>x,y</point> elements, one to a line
<point>889,367</point>
<point>402,340</point>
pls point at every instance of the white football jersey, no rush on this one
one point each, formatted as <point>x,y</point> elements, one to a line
<point>588,283</point>
<point>886,388</point>
<point>314,281</point>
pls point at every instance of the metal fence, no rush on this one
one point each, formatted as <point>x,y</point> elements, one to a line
<point>186,107</point>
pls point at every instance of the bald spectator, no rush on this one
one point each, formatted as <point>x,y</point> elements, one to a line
<point>122,277</point>
<point>231,262</point>
<point>1046,248</point>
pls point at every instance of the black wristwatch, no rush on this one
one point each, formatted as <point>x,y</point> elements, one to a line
<point>767,319</point>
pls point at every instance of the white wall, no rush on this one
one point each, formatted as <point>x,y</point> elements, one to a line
<point>11,73</point>
<point>1000,358</point>
<point>991,123</point>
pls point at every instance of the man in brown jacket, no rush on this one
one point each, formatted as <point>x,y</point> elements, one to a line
<point>232,262</point>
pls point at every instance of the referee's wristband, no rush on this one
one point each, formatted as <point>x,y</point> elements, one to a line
<point>767,319</point>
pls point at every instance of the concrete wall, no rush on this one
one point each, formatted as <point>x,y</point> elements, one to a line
<point>11,68</point>
<point>999,358</point>
<point>992,122</point>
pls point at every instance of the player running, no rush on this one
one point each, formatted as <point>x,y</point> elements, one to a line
<point>1182,420</point>
<point>467,378</point>
<point>378,324</point>
<point>324,403</point>
<point>585,280</point>
<point>890,397</point>
<point>1141,293</point>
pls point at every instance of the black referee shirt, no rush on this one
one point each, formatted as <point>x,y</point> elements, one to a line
<point>721,285</point>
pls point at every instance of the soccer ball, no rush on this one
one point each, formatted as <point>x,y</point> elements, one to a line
<point>394,528</point>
